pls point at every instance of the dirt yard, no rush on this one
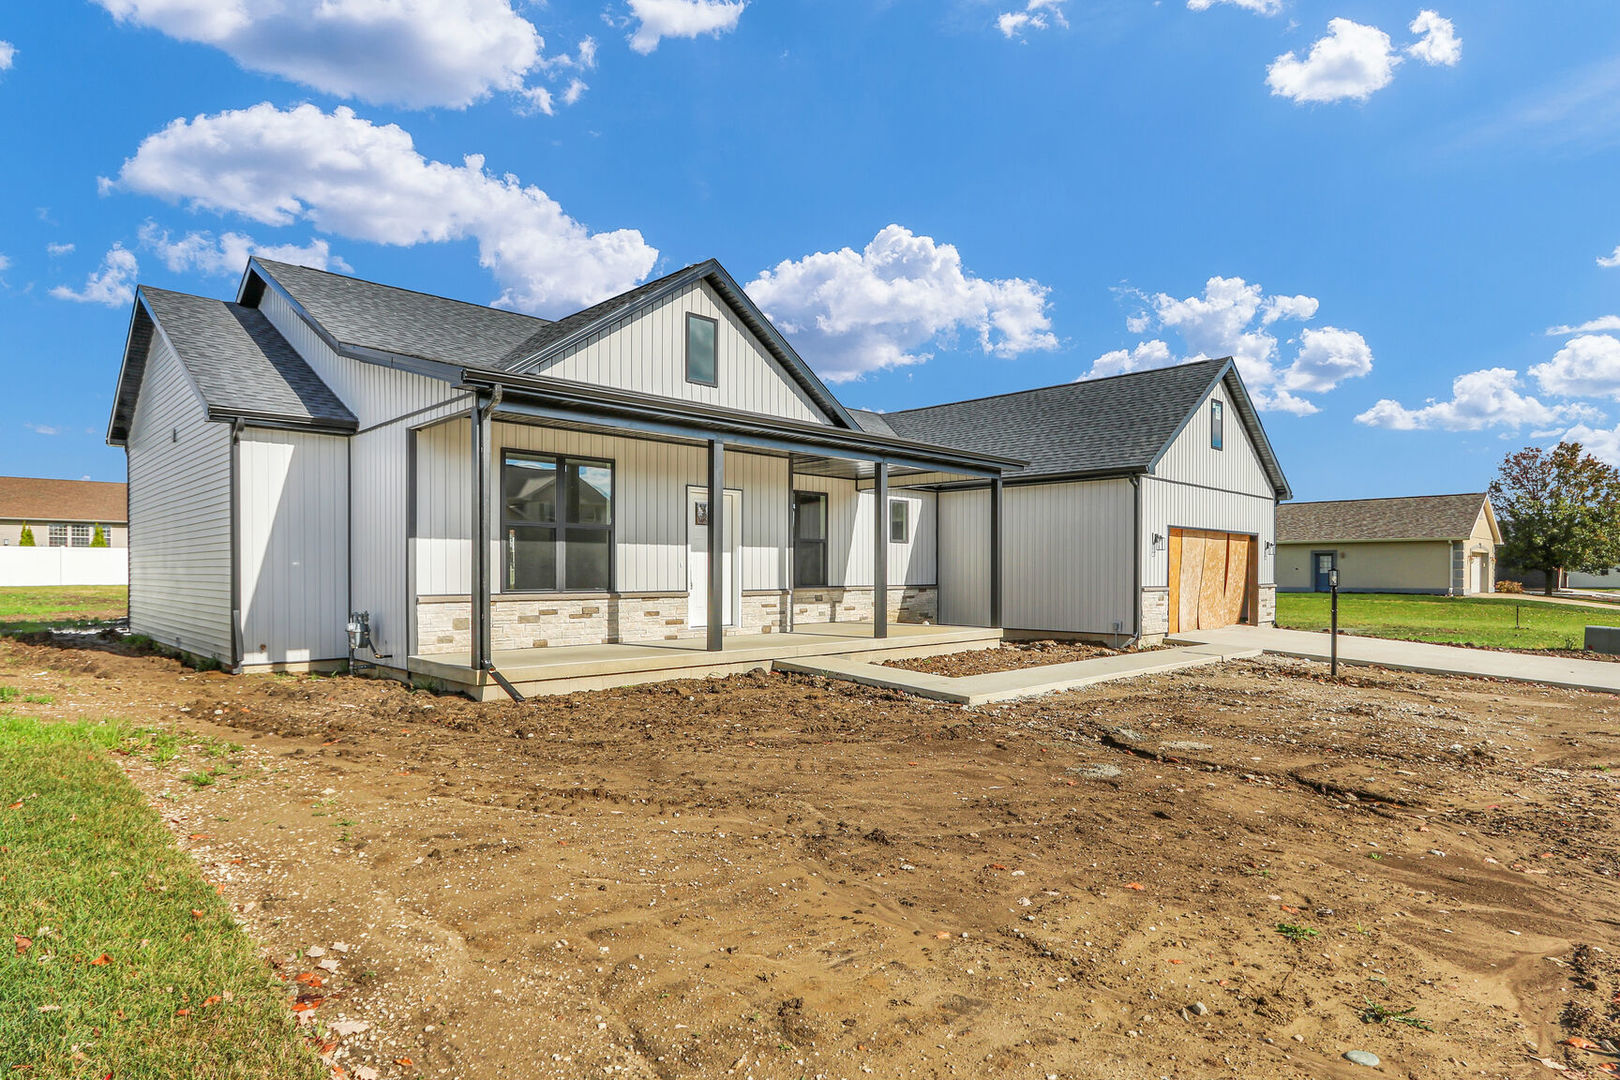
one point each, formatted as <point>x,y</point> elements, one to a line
<point>1010,656</point>
<point>1229,872</point>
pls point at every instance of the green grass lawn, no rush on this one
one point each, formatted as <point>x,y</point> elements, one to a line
<point>116,957</point>
<point>27,608</point>
<point>1493,621</point>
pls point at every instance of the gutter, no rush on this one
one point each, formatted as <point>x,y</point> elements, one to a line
<point>236,545</point>
<point>481,537</point>
<point>1136,565</point>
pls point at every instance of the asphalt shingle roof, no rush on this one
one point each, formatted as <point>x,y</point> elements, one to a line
<point>1421,517</point>
<point>240,363</point>
<point>1098,425</point>
<point>406,323</point>
<point>554,332</point>
<point>33,498</point>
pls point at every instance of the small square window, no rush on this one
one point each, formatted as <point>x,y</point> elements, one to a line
<point>899,521</point>
<point>81,536</point>
<point>57,536</point>
<point>1217,421</point>
<point>702,347</point>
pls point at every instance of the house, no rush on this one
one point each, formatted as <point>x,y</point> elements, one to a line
<point>1441,544</point>
<point>62,513</point>
<point>495,496</point>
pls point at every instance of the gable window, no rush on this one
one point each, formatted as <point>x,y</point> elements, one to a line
<point>702,350</point>
<point>58,536</point>
<point>557,523</point>
<point>899,521</point>
<point>809,539</point>
<point>1217,422</point>
<point>81,536</point>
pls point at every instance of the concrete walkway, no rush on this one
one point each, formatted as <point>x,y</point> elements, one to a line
<point>1416,656</point>
<point>1020,683</point>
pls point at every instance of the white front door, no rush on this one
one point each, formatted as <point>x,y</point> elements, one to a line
<point>697,557</point>
<point>1479,574</point>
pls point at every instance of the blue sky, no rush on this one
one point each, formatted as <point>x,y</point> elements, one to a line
<point>1382,209</point>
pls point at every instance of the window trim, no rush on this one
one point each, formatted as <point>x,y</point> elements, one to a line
<point>690,315</point>
<point>904,522</point>
<point>560,525</point>
<point>1217,424</point>
<point>825,541</point>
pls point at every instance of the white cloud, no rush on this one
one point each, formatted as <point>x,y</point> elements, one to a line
<point>1353,61</point>
<point>853,312</point>
<point>1479,399</point>
<point>1588,366</point>
<point>1036,15</point>
<point>112,283</point>
<point>1235,318</point>
<point>8,55</point>
<point>1609,262</point>
<point>5,263</point>
<point>1598,325</point>
<point>56,250</point>
<point>1438,43</point>
<point>1601,443</point>
<point>43,429</point>
<point>1259,7</point>
<point>416,53</point>
<point>659,19</point>
<point>352,178</point>
<point>227,255</point>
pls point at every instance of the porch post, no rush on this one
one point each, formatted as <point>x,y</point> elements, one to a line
<point>995,551</point>
<point>880,552</point>
<point>481,653</point>
<point>717,546</point>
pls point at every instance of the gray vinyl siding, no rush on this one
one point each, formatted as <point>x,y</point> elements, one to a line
<point>293,518</point>
<point>851,542</point>
<point>180,514</point>
<point>1066,560</point>
<point>646,352</point>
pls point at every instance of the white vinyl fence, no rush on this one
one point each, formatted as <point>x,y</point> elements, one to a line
<point>63,566</point>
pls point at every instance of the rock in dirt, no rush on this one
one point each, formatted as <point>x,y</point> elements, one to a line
<point>1200,1009</point>
<point>1362,1057</point>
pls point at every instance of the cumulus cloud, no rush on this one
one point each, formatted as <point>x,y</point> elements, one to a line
<point>1588,366</point>
<point>1035,15</point>
<point>1606,322</point>
<point>1235,318</point>
<point>1601,443</point>
<point>1610,261</point>
<point>416,53</point>
<point>8,55</point>
<point>1352,62</point>
<point>112,283</point>
<point>1259,7</point>
<point>659,19</point>
<point>854,312</point>
<point>1479,399</point>
<point>227,255</point>
<point>1438,44</point>
<point>349,177</point>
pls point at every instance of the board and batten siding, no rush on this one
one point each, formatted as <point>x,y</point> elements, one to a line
<point>293,530</point>
<point>646,352</point>
<point>1066,557</point>
<point>852,544</point>
<point>180,513</point>
<point>387,403</point>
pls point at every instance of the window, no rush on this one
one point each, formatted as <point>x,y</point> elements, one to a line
<point>809,539</point>
<point>702,350</point>
<point>81,536</point>
<point>557,516</point>
<point>58,536</point>
<point>899,521</point>
<point>1217,421</point>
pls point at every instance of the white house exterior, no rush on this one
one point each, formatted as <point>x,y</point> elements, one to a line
<point>484,484</point>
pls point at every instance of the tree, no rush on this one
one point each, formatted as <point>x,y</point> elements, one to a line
<point>27,537</point>
<point>99,537</point>
<point>1559,510</point>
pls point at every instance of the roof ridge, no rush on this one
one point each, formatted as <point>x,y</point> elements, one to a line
<point>399,288</point>
<point>1062,385</point>
<point>1387,498</point>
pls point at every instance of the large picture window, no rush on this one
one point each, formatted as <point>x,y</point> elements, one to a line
<point>557,523</point>
<point>809,539</point>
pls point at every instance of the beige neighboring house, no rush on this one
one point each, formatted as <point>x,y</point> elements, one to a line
<point>62,513</point>
<point>1440,544</point>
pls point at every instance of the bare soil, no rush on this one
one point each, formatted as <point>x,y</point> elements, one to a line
<point>1010,656</point>
<point>776,877</point>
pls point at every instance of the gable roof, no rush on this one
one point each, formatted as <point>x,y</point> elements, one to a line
<point>1112,426</point>
<point>1421,517</point>
<point>387,319</point>
<point>239,363</point>
<point>33,498</point>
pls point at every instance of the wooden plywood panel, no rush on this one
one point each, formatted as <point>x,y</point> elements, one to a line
<point>1212,590</point>
<point>1238,562</point>
<point>1192,579</point>
<point>1175,580</point>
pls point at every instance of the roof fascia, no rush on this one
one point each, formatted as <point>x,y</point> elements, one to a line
<point>123,373</point>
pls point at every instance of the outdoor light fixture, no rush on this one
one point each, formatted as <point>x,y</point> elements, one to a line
<point>1271,547</point>
<point>1158,542</point>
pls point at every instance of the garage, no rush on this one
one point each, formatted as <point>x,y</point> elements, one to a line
<point>1213,579</point>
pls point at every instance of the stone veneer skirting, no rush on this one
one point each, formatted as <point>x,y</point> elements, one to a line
<point>444,623</point>
<point>1156,611</point>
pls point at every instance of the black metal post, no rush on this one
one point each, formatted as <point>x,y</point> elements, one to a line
<point>880,552</point>
<point>1333,637</point>
<point>480,535</point>
<point>717,546</point>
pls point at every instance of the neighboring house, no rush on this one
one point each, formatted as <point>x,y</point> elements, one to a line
<point>1443,544</point>
<point>477,481</point>
<point>62,513</point>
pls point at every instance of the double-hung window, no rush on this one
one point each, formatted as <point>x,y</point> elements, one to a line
<point>899,521</point>
<point>557,522</point>
<point>809,539</point>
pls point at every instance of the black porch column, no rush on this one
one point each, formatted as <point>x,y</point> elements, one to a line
<point>880,552</point>
<point>995,550</point>
<point>481,652</point>
<point>717,546</point>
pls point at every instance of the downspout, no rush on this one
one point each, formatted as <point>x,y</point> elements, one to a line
<point>482,653</point>
<point>236,546</point>
<point>1136,565</point>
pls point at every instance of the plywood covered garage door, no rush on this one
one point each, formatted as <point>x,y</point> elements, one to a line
<point>1212,579</point>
